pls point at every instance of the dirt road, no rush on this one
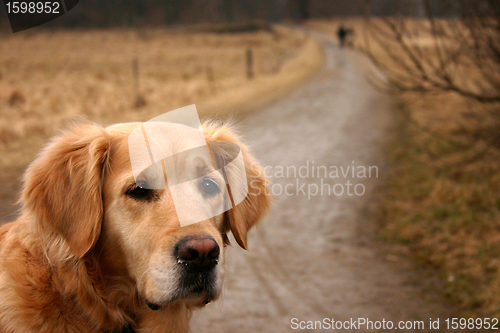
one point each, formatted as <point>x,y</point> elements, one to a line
<point>314,257</point>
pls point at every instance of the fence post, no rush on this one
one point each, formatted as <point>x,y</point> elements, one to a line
<point>249,61</point>
<point>139,100</point>
<point>211,80</point>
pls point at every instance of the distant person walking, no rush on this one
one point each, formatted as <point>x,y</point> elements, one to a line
<point>342,34</point>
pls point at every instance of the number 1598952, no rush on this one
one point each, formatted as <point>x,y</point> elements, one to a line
<point>19,7</point>
<point>472,323</point>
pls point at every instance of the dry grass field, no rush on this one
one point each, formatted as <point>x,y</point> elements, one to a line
<point>49,77</point>
<point>442,202</point>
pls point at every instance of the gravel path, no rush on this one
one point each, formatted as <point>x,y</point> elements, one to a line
<point>314,258</point>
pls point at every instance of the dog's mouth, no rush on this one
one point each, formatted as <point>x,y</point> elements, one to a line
<point>198,287</point>
<point>196,270</point>
<point>197,299</point>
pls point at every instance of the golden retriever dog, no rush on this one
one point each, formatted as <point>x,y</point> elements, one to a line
<point>95,251</point>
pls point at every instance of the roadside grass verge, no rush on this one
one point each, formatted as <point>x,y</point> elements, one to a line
<point>442,201</point>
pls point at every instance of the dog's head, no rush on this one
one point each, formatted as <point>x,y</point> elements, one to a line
<point>82,189</point>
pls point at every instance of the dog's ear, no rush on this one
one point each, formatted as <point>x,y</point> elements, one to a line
<point>63,186</point>
<point>247,212</point>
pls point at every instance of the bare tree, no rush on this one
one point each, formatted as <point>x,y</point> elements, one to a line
<point>460,53</point>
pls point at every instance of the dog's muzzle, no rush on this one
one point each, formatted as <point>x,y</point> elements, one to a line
<point>197,253</point>
<point>197,257</point>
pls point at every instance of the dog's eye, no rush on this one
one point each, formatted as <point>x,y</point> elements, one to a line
<point>139,192</point>
<point>209,188</point>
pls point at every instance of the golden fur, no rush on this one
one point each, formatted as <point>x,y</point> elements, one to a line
<point>84,257</point>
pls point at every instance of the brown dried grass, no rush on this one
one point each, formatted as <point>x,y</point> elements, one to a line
<point>49,77</point>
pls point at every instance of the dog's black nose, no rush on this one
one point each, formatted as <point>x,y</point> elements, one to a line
<point>198,252</point>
